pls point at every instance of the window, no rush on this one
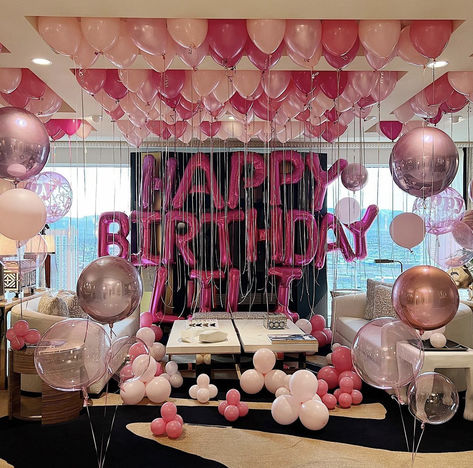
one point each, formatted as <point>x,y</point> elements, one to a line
<point>95,189</point>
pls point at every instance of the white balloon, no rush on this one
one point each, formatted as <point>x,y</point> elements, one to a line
<point>146,335</point>
<point>329,358</point>
<point>274,379</point>
<point>303,385</point>
<point>144,367</point>
<point>171,368</point>
<point>437,340</point>
<point>203,381</point>
<point>166,376</point>
<point>314,415</point>
<point>286,382</point>
<point>207,359</point>
<point>132,392</point>
<point>158,350</point>
<point>264,360</point>
<point>213,390</point>
<point>316,397</point>
<point>193,391</point>
<point>251,381</point>
<point>428,333</point>
<point>304,325</point>
<point>203,395</point>
<point>176,380</point>
<point>158,389</point>
<point>285,409</point>
<point>282,391</point>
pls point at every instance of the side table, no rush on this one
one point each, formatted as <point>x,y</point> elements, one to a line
<point>56,406</point>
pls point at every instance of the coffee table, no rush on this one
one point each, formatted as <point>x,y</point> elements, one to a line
<point>254,335</point>
<point>446,360</point>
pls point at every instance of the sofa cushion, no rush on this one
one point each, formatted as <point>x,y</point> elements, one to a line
<point>72,303</point>
<point>383,306</point>
<point>50,305</point>
<point>348,326</point>
<point>370,290</point>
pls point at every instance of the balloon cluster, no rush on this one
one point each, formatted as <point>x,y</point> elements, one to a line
<point>436,338</point>
<point>340,375</point>
<point>21,334</point>
<point>253,380</point>
<point>170,423</point>
<point>232,408</point>
<point>302,402</point>
<point>204,390</point>
<point>316,327</point>
<point>57,128</point>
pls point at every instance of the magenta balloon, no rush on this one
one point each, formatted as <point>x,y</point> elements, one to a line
<point>354,177</point>
<point>341,61</point>
<point>424,162</point>
<point>390,128</point>
<point>227,37</point>
<point>425,297</point>
<point>430,37</point>
<point>72,354</point>
<point>24,144</point>
<point>55,191</point>
<point>109,289</point>
<point>379,353</point>
<point>440,211</point>
<point>407,230</point>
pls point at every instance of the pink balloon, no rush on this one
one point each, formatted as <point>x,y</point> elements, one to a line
<point>332,84</point>
<point>378,63</point>
<point>17,98</point>
<point>10,79</point>
<point>357,397</point>
<point>91,80</point>
<point>354,177</point>
<point>187,32</point>
<point>425,297</point>
<point>306,63</point>
<point>438,91</point>
<point>222,406</point>
<point>275,83</point>
<point>430,37</point>
<point>174,429</point>
<point>285,409</point>
<point>341,359</point>
<point>341,61</point>
<point>390,128</point>
<point>322,387</point>
<point>353,376</point>
<point>251,381</point>
<point>404,113</point>
<point>168,411</point>
<point>132,392</point>
<point>344,400</point>
<point>264,360</point>
<point>246,82</point>
<point>85,56</point>
<point>407,51</point>
<point>266,34</point>
<point>330,375</point>
<point>364,81</point>
<point>407,230</point>
<point>303,36</point>
<point>463,234</point>
<point>330,401</point>
<point>31,85</point>
<point>150,34</point>
<point>461,81</point>
<point>346,384</point>
<point>416,160</point>
<point>318,322</point>
<point>158,426</point>
<point>384,85</point>
<point>193,57</point>
<point>231,413</point>
<point>242,409</point>
<point>62,34</point>
<point>53,354</point>
<point>233,397</point>
<point>32,337</point>
<point>227,37</point>
<point>123,52</point>
<point>379,37</point>
<point>21,328</point>
<point>339,36</point>
<point>371,366</point>
<point>100,33</point>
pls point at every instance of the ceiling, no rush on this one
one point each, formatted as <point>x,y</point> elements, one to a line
<point>19,35</point>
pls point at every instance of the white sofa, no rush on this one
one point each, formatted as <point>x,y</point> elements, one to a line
<point>42,322</point>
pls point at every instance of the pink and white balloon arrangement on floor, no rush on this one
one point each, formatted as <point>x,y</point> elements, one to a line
<point>204,390</point>
<point>341,375</point>
<point>232,408</point>
<point>170,423</point>
<point>253,380</point>
<point>302,402</point>
<point>316,327</point>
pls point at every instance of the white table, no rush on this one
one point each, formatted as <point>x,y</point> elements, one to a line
<point>447,360</point>
<point>175,345</point>
<point>254,335</point>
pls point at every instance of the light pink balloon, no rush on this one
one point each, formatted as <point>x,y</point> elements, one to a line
<point>303,385</point>
<point>378,63</point>
<point>246,82</point>
<point>274,379</point>
<point>123,52</point>
<point>404,113</point>
<point>158,389</point>
<point>193,57</point>
<point>205,81</point>
<point>267,34</point>
<point>379,37</point>
<point>347,210</point>
<point>251,381</point>
<point>85,56</point>
<point>108,103</point>
<point>461,81</point>
<point>303,36</point>
<point>407,51</point>
<point>132,392</point>
<point>264,360</point>
<point>9,79</point>
<point>133,79</point>
<point>384,85</point>
<point>314,415</point>
<point>187,32</point>
<point>407,230</point>
<point>22,214</point>
<point>309,63</point>
<point>62,34</point>
<point>363,81</point>
<point>224,90</point>
<point>162,62</point>
<point>285,409</point>
<point>149,35</point>
<point>100,33</point>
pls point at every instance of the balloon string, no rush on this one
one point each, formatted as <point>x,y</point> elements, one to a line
<point>396,398</point>
<point>93,433</point>
<point>418,443</point>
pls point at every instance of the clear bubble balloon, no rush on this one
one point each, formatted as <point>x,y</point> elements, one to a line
<point>387,353</point>
<point>72,354</point>
<point>441,211</point>
<point>446,252</point>
<point>432,398</point>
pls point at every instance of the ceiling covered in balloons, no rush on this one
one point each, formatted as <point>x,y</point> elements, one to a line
<point>354,72</point>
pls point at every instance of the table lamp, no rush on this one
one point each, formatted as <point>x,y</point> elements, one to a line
<point>7,249</point>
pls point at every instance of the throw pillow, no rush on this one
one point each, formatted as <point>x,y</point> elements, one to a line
<point>383,306</point>
<point>72,303</point>
<point>370,287</point>
<point>50,305</point>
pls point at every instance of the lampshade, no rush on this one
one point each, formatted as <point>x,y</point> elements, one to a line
<point>7,246</point>
<point>50,242</point>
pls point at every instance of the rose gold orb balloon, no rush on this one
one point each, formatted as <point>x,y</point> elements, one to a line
<point>424,162</point>
<point>425,297</point>
<point>109,289</point>
<point>354,177</point>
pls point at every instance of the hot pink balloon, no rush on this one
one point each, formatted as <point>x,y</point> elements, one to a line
<point>91,80</point>
<point>407,51</point>
<point>390,128</point>
<point>227,37</point>
<point>332,84</point>
<point>438,91</point>
<point>341,61</point>
<point>430,37</point>
<point>339,36</point>
<point>261,60</point>
<point>407,230</point>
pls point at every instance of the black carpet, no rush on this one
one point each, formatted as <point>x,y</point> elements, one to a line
<point>70,444</point>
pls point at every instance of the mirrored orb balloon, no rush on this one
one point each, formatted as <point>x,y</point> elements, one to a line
<point>72,354</point>
<point>55,191</point>
<point>424,162</point>
<point>387,353</point>
<point>354,177</point>
<point>445,251</point>
<point>433,398</point>
<point>440,211</point>
<point>24,144</point>
<point>109,289</point>
<point>425,297</point>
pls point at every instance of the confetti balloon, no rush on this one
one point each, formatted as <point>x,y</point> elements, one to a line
<point>55,191</point>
